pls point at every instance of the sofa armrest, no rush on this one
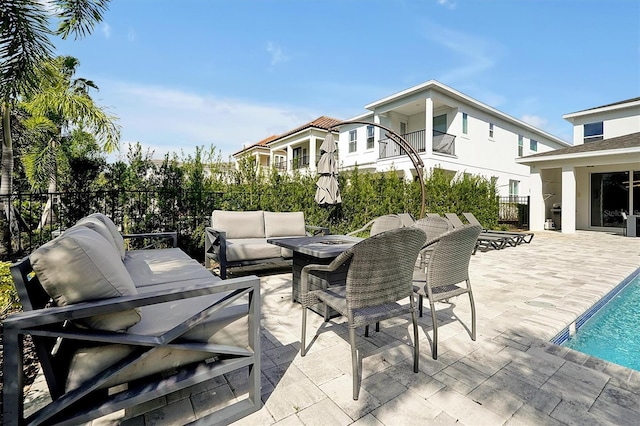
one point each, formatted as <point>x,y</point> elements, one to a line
<point>215,245</point>
<point>317,230</point>
<point>157,237</point>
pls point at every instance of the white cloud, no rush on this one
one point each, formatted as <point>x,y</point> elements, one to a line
<point>535,120</point>
<point>169,120</point>
<point>131,35</point>
<point>451,4</point>
<point>277,55</point>
<point>106,30</point>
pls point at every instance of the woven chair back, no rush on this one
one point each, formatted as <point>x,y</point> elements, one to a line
<point>433,226</point>
<point>385,223</point>
<point>449,261</point>
<point>381,267</point>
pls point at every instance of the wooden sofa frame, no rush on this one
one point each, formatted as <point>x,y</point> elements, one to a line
<point>54,335</point>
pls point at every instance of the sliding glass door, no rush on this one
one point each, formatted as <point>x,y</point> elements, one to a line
<point>609,197</point>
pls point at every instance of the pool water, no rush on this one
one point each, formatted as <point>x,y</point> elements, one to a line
<point>613,333</point>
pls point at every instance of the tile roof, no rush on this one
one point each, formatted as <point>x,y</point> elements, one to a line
<point>620,142</point>
<point>262,143</point>
<point>323,122</point>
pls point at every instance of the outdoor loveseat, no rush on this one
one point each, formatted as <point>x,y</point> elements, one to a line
<point>239,238</point>
<point>115,328</point>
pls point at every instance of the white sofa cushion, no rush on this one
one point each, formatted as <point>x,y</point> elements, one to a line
<point>249,224</point>
<point>80,265</point>
<point>115,233</point>
<point>159,266</point>
<point>251,249</point>
<point>284,224</point>
<point>100,227</point>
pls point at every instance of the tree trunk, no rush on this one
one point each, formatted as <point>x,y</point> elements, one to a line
<point>6,178</point>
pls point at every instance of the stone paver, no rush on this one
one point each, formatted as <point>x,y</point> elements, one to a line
<point>510,375</point>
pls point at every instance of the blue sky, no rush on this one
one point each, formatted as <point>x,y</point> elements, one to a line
<point>181,74</point>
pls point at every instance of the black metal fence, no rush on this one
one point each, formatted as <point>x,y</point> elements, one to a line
<point>31,219</point>
<point>514,211</point>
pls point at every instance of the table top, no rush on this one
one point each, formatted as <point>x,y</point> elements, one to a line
<point>320,246</point>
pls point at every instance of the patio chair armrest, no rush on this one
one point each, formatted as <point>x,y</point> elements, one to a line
<point>317,230</point>
<point>169,235</point>
<point>58,314</point>
<point>364,228</point>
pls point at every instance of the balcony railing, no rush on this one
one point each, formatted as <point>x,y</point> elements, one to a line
<point>443,143</point>
<point>280,166</point>
<point>300,162</point>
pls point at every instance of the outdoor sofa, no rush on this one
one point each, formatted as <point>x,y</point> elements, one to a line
<point>114,328</point>
<point>239,238</point>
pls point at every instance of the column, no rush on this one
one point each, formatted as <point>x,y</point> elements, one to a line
<point>428,126</point>
<point>312,154</point>
<point>568,200</point>
<point>289,158</point>
<point>536,200</point>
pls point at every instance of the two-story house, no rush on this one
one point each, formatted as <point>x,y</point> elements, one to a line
<point>450,131</point>
<point>296,149</point>
<point>589,185</point>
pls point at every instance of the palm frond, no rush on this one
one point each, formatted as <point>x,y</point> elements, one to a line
<point>24,45</point>
<point>78,17</point>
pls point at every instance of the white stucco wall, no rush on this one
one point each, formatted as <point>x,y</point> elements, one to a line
<point>616,122</point>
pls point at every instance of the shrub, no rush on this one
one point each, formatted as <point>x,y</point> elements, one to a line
<point>8,294</point>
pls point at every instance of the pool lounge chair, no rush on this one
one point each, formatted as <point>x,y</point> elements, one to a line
<point>485,240</point>
<point>519,237</point>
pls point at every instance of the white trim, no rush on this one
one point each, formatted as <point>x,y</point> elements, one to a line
<point>583,113</point>
<point>591,154</point>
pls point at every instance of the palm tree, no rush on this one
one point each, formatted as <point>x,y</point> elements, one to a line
<point>25,46</point>
<point>61,105</point>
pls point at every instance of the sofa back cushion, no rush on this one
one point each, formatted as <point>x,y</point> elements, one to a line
<point>115,233</point>
<point>248,224</point>
<point>284,224</point>
<point>80,265</point>
<point>101,228</point>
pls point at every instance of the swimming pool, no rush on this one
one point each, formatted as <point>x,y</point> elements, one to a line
<point>609,329</point>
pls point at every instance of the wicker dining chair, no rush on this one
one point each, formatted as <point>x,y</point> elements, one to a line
<point>447,273</point>
<point>380,224</point>
<point>433,226</point>
<point>379,275</point>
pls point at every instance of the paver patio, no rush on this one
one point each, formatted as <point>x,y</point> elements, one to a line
<point>510,375</point>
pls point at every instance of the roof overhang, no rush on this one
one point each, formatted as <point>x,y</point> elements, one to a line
<point>571,116</point>
<point>622,155</point>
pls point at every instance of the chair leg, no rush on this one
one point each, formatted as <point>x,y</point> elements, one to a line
<point>420,302</point>
<point>354,363</point>
<point>303,347</point>
<point>434,352</point>
<point>473,316</point>
<point>366,330</point>
<point>377,326</point>
<point>416,344</point>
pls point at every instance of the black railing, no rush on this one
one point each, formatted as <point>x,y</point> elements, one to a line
<point>300,162</point>
<point>443,143</point>
<point>35,218</point>
<point>280,166</point>
<point>514,210</point>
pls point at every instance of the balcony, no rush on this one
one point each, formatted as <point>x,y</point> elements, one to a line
<point>300,162</point>
<point>443,143</point>
<point>280,166</point>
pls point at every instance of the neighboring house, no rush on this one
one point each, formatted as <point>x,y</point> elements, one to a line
<point>259,151</point>
<point>588,185</point>
<point>297,149</point>
<point>450,131</point>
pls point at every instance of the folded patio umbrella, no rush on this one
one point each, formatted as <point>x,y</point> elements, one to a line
<point>327,190</point>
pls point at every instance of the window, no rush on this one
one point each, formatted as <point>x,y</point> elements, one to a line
<point>533,145</point>
<point>491,130</point>
<point>513,187</point>
<point>593,132</point>
<point>440,123</point>
<point>520,145</point>
<point>353,140</point>
<point>369,137</point>
<point>465,123</point>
